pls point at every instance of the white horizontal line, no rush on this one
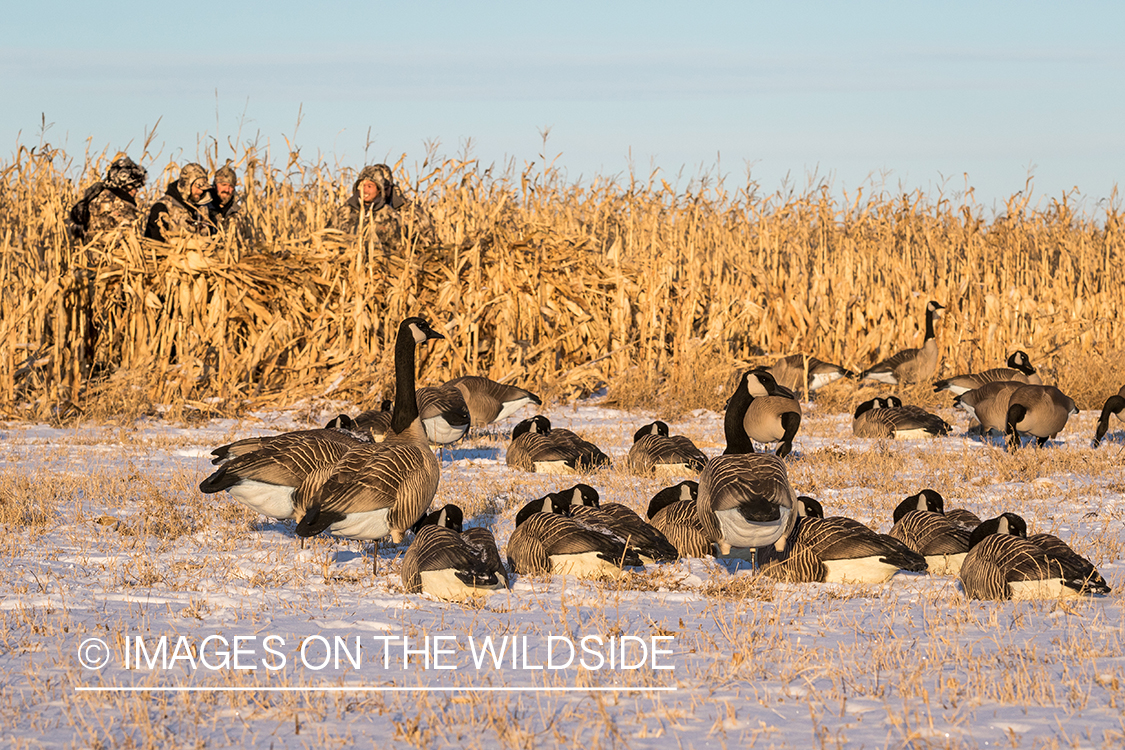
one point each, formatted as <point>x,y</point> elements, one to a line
<point>365,689</point>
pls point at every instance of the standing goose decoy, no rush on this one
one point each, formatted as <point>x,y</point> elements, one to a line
<point>744,499</point>
<point>489,401</point>
<point>656,453</point>
<point>789,372</point>
<point>920,523</point>
<point>1003,564</point>
<point>674,513</point>
<point>878,419</point>
<point>1114,405</point>
<point>1037,410</point>
<point>450,564</point>
<point>771,418</point>
<point>1019,369</point>
<point>275,475</point>
<point>641,537</point>
<point>382,489</point>
<point>837,550</point>
<point>910,365</point>
<point>536,447</point>
<point>988,404</point>
<point>545,541</point>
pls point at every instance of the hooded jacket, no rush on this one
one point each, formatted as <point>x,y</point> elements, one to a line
<point>108,204</point>
<point>385,216</point>
<point>174,215</point>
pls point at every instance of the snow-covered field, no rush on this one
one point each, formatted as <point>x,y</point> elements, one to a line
<point>105,536</point>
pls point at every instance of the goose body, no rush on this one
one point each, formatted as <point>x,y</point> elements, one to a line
<point>656,453</point>
<point>548,542</point>
<point>910,365</point>
<point>988,404</point>
<point>774,417</point>
<point>674,513</point>
<point>1019,370</point>
<point>879,419</point>
<point>1037,410</point>
<point>744,499</point>
<point>789,372</point>
<point>1004,564</point>
<point>1114,406</point>
<point>489,401</point>
<point>381,489</point>
<point>921,524</point>
<point>536,447</point>
<point>449,563</point>
<point>648,542</point>
<point>837,550</point>
<point>445,418</point>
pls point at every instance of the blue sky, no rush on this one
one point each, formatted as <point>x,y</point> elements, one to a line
<point>901,95</point>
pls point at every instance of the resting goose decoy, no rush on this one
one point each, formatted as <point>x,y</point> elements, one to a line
<point>744,499</point>
<point>837,550</point>
<point>545,541</point>
<point>910,365</point>
<point>275,475</point>
<point>878,419</point>
<point>988,404</point>
<point>1114,405</point>
<point>536,447</point>
<point>656,453</point>
<point>1037,410</point>
<point>1003,564</point>
<point>641,537</point>
<point>789,372</point>
<point>673,512</point>
<point>382,489</point>
<point>1019,369</point>
<point>450,564</point>
<point>489,401</point>
<point>445,418</point>
<point>921,524</point>
<point>771,418</point>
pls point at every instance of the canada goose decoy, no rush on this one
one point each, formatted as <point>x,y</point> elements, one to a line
<point>837,550</point>
<point>1037,410</point>
<point>910,365</point>
<point>1004,564</point>
<point>988,404</point>
<point>744,499</point>
<point>376,422</point>
<point>1019,369</point>
<point>789,372</point>
<point>656,453</point>
<point>536,447</point>
<point>450,564</point>
<point>920,523</point>
<point>878,419</point>
<point>545,541</point>
<point>674,513</point>
<point>771,418</point>
<point>489,401</point>
<point>274,475</point>
<point>1114,405</point>
<point>382,489</point>
<point>643,538</point>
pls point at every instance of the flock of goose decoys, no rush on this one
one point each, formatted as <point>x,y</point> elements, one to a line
<point>375,476</point>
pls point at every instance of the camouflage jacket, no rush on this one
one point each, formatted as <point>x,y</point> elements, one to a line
<point>173,216</point>
<point>389,217</point>
<point>103,209</point>
<point>223,217</point>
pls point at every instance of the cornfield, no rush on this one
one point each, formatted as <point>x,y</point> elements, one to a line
<point>558,287</point>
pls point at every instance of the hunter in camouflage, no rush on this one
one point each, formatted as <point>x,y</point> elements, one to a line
<point>222,201</point>
<point>377,208</point>
<point>110,203</point>
<point>180,211</point>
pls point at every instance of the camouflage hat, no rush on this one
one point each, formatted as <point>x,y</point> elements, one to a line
<point>125,174</point>
<point>189,175</point>
<point>226,175</point>
<point>380,174</point>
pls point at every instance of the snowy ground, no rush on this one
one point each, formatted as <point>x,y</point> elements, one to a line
<point>106,536</point>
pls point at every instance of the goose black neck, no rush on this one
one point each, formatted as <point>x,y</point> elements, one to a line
<point>929,324</point>
<point>406,398</point>
<point>737,439</point>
